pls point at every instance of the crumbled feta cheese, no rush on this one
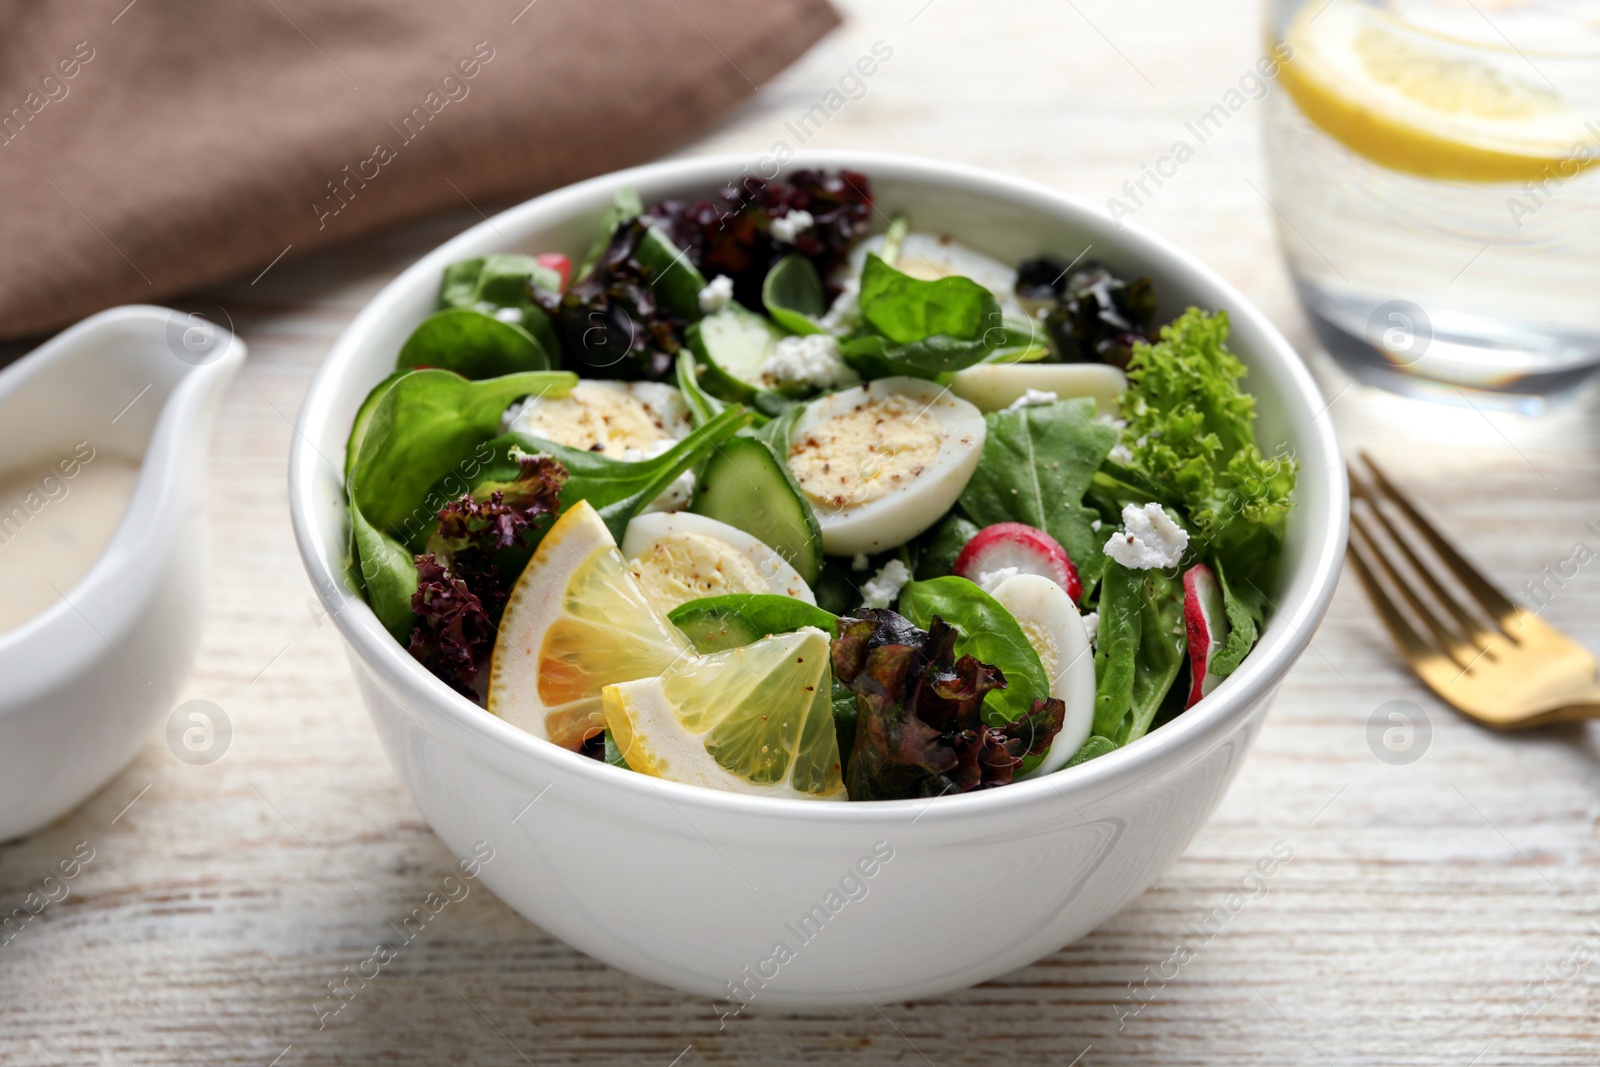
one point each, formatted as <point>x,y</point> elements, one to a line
<point>485,307</point>
<point>844,314</point>
<point>858,562</point>
<point>716,295</point>
<point>1095,524</point>
<point>1120,453</point>
<point>792,225</point>
<point>1033,398</point>
<point>812,361</point>
<point>511,315</point>
<point>1091,626</point>
<point>880,590</point>
<point>989,580</point>
<point>1148,539</point>
<point>1112,421</point>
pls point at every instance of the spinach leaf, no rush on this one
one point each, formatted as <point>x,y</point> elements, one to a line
<point>1245,609</point>
<point>503,280</point>
<point>625,205</point>
<point>472,344</point>
<point>906,309</point>
<point>387,573</point>
<point>1139,649</point>
<point>618,489</point>
<point>718,623</point>
<point>427,426</point>
<point>1035,466</point>
<point>938,548</point>
<point>988,633</point>
<point>418,430</point>
<point>792,294</point>
<point>358,427</point>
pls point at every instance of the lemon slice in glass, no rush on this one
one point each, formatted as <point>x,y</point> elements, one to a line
<point>1424,104</point>
<point>756,719</point>
<point>576,622</point>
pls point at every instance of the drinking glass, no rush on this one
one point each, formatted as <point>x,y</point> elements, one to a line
<point>1433,170</point>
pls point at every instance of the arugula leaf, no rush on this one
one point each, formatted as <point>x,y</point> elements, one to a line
<point>703,407</point>
<point>472,344</point>
<point>1191,428</point>
<point>792,294</point>
<point>989,634</point>
<point>1139,649</point>
<point>1036,464</point>
<point>618,489</point>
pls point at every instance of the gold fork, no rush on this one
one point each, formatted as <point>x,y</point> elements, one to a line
<point>1492,660</point>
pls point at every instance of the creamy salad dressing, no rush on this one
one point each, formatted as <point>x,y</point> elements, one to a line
<point>55,522</point>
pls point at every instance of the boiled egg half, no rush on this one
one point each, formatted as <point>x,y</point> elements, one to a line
<point>882,462</point>
<point>622,420</point>
<point>677,556</point>
<point>1050,621</point>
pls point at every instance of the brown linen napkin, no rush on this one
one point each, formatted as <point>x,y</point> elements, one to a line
<point>151,147</point>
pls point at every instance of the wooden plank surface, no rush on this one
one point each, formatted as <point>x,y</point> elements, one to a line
<point>1422,902</point>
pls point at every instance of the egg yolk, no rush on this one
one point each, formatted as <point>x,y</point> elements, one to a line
<point>596,419</point>
<point>867,452</point>
<point>686,566</point>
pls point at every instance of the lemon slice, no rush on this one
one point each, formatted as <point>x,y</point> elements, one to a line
<point>756,719</point>
<point>576,622</point>
<point>1425,105</point>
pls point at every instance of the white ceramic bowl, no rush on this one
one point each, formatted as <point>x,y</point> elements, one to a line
<point>773,902</point>
<point>82,683</point>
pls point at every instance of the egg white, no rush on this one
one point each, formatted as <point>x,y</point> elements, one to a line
<point>652,528</point>
<point>909,506</point>
<point>1041,605</point>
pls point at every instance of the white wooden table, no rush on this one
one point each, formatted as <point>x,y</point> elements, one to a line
<point>1422,902</point>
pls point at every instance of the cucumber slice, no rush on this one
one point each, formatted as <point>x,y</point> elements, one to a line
<point>677,282</point>
<point>744,484</point>
<point>733,345</point>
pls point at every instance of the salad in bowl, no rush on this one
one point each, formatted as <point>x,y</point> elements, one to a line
<point>776,494</point>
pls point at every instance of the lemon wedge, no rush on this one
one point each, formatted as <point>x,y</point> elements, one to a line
<point>756,720</point>
<point>576,622</point>
<point>1425,105</point>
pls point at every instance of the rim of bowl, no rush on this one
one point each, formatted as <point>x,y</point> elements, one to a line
<point>497,742</point>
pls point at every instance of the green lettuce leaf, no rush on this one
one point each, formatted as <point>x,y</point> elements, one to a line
<point>1191,428</point>
<point>1139,649</point>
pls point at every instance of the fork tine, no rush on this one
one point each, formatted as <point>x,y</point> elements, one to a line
<point>1466,622</point>
<point>1492,600</point>
<point>1411,643</point>
<point>1450,641</point>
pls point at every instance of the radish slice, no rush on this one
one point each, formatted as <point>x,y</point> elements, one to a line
<point>1206,621</point>
<point>998,552</point>
<point>559,263</point>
